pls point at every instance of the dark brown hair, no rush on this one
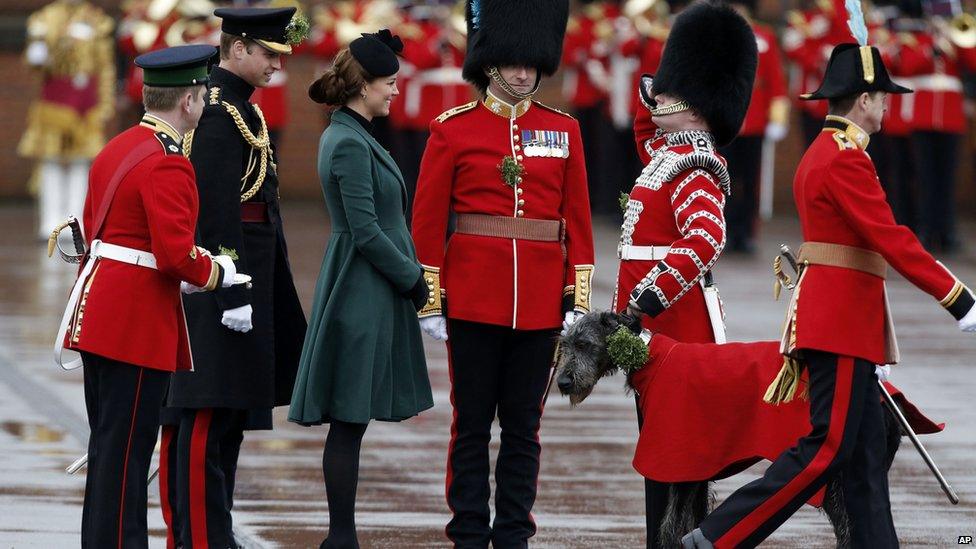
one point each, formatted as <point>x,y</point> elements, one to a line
<point>341,82</point>
<point>227,43</point>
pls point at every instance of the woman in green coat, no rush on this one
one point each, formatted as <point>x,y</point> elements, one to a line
<point>363,357</point>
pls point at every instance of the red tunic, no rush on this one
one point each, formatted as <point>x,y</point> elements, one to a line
<point>681,209</point>
<point>507,282</point>
<point>134,314</point>
<point>937,104</point>
<point>840,201</point>
<point>770,82</point>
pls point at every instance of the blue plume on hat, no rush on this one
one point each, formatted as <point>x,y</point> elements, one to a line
<point>855,21</point>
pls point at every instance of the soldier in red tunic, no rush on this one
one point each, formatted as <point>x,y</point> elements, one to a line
<point>674,229</point>
<point>125,315</point>
<point>838,324</point>
<point>519,264</point>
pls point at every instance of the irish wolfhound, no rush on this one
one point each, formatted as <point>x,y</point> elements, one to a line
<point>584,360</point>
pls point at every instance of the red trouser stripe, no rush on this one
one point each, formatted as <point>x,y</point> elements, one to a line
<point>824,456</point>
<point>165,441</point>
<point>198,477</point>
<point>449,475</point>
<point>128,446</point>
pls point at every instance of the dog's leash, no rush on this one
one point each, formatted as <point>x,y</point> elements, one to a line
<point>557,352</point>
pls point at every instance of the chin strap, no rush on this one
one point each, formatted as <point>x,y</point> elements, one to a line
<point>673,108</point>
<point>507,88</point>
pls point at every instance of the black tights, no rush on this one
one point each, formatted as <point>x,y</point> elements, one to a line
<point>340,466</point>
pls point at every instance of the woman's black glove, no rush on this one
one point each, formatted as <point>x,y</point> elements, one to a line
<point>420,293</point>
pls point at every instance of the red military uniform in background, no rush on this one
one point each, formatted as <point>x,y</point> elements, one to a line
<point>768,113</point>
<point>506,282</point>
<point>154,210</point>
<point>806,42</point>
<point>932,66</point>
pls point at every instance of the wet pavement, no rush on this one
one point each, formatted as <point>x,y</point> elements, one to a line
<point>589,496</point>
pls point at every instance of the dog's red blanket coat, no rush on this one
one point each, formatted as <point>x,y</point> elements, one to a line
<point>704,415</point>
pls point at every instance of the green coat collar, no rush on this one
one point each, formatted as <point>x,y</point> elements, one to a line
<point>346,120</point>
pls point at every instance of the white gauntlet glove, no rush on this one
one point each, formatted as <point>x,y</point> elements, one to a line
<point>435,327</point>
<point>229,270</point>
<point>883,372</point>
<point>775,131</point>
<point>968,322</point>
<point>238,319</point>
<point>569,319</point>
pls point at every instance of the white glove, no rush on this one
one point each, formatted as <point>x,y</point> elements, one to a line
<point>187,288</point>
<point>36,54</point>
<point>435,327</point>
<point>81,31</point>
<point>968,322</point>
<point>229,270</point>
<point>775,131</point>
<point>883,372</point>
<point>238,319</point>
<point>569,319</point>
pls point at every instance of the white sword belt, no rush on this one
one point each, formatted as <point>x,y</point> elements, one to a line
<point>629,252</point>
<point>99,250</point>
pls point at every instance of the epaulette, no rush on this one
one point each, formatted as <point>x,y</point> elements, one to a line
<point>843,142</point>
<point>214,96</point>
<point>449,113</point>
<point>170,145</point>
<point>553,109</point>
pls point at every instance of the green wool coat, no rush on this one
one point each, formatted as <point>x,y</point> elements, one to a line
<point>363,356</point>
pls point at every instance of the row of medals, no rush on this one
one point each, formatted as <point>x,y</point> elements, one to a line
<point>548,146</point>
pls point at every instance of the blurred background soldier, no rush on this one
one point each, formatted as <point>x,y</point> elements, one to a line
<point>69,43</point>
<point>751,153</point>
<point>933,57</point>
<point>807,44</point>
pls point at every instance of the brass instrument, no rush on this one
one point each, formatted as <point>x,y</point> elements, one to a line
<point>649,17</point>
<point>961,31</point>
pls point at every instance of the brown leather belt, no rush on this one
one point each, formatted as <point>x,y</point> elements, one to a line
<point>519,228</point>
<point>848,257</point>
<point>254,212</point>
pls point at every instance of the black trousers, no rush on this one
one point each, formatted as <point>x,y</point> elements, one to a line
<point>495,370</point>
<point>744,157</point>
<point>894,159</point>
<point>198,467</point>
<point>848,436</point>
<point>594,130</point>
<point>123,403</point>
<point>936,155</point>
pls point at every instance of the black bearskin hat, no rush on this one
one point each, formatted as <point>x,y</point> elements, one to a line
<point>514,32</point>
<point>710,61</point>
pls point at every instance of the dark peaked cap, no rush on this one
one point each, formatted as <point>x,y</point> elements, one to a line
<point>514,32</point>
<point>177,66</point>
<point>267,26</point>
<point>846,74</point>
<point>710,61</point>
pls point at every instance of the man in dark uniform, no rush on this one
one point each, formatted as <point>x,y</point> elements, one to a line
<point>141,249</point>
<point>519,264</point>
<point>838,324</point>
<point>246,341</point>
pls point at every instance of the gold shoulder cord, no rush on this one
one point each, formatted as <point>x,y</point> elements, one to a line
<point>260,143</point>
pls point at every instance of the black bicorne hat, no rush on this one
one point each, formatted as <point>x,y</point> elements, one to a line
<point>709,61</point>
<point>854,69</point>
<point>514,32</point>
<point>377,52</point>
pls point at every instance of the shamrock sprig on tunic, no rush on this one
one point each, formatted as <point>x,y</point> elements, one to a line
<point>298,29</point>
<point>511,171</point>
<point>627,351</point>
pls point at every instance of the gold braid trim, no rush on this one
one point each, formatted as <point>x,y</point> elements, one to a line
<point>260,143</point>
<point>188,143</point>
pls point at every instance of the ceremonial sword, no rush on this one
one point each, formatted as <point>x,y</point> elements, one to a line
<point>895,410</point>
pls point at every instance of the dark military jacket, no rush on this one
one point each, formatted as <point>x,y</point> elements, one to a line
<point>240,216</point>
